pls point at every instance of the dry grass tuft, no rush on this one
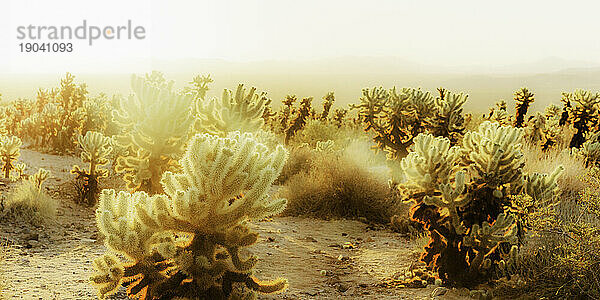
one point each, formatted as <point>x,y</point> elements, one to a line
<point>30,203</point>
<point>3,254</point>
<point>337,187</point>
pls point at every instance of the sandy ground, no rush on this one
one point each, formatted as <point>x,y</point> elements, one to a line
<point>54,261</point>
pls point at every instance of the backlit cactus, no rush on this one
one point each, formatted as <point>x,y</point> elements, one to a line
<point>96,151</point>
<point>155,122</point>
<point>460,195</point>
<point>241,111</point>
<point>523,99</point>
<point>582,109</point>
<point>9,153</point>
<point>187,242</point>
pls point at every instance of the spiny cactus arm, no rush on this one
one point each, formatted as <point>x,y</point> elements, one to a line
<point>324,146</point>
<point>371,105</point>
<point>234,112</point>
<point>223,182</point>
<point>431,163</point>
<point>543,187</point>
<point>493,152</point>
<point>117,221</point>
<point>452,198</point>
<point>108,275</point>
<point>486,238</point>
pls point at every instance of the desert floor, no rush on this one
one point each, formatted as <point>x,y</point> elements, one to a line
<point>54,261</point>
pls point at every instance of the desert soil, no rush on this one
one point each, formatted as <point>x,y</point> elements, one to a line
<point>54,261</point>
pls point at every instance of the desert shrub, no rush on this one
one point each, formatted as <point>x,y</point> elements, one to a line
<point>335,186</point>
<point>562,258</point>
<point>28,201</point>
<point>300,160</point>
<point>186,243</point>
<point>317,130</point>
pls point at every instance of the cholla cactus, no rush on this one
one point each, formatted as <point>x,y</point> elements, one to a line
<point>460,195</point>
<point>39,178</point>
<point>582,107</point>
<point>499,114</point>
<point>187,242</point>
<point>300,120</point>
<point>327,103</point>
<point>523,99</point>
<point>325,146</point>
<point>20,170</point>
<point>590,150</point>
<point>286,111</point>
<point>9,153</point>
<point>395,117</point>
<point>233,112</point>
<point>448,121</point>
<point>339,117</point>
<point>199,86</point>
<point>155,122</point>
<point>96,150</point>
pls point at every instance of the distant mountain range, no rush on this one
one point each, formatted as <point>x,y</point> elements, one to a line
<point>346,76</point>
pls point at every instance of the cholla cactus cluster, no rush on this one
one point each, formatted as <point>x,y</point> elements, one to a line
<point>187,242</point>
<point>9,153</point>
<point>396,117</point>
<point>96,150</point>
<point>460,195</point>
<point>155,121</point>
<point>241,111</point>
<point>499,114</point>
<point>590,150</point>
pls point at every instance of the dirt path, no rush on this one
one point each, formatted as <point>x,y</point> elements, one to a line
<point>320,259</point>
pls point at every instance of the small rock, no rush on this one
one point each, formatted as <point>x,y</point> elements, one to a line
<point>342,287</point>
<point>342,258</point>
<point>32,243</point>
<point>344,234</point>
<point>270,240</point>
<point>370,240</point>
<point>439,291</point>
<point>32,236</point>
<point>310,239</point>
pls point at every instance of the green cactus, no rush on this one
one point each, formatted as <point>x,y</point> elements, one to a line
<point>155,122</point>
<point>234,112</point>
<point>9,153</point>
<point>461,194</point>
<point>186,242</point>
<point>96,150</point>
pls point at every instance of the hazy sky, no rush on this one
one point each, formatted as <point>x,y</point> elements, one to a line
<point>445,33</point>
